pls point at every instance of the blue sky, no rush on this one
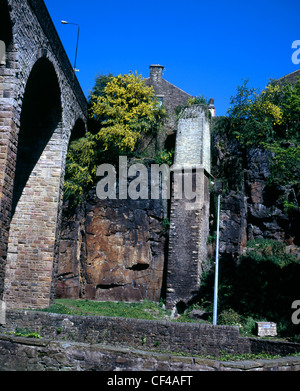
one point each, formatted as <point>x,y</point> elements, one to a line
<point>207,47</point>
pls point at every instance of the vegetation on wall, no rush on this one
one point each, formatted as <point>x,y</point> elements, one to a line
<point>262,286</point>
<point>127,110</point>
<point>123,110</point>
<point>264,282</point>
<point>268,119</point>
<point>195,100</point>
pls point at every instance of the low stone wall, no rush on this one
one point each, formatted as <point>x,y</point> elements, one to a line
<point>101,343</point>
<point>24,354</point>
<point>191,338</point>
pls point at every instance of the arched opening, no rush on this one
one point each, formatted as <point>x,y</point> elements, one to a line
<point>41,114</point>
<point>181,307</point>
<point>170,142</point>
<point>32,243</point>
<point>72,241</point>
<point>79,130</point>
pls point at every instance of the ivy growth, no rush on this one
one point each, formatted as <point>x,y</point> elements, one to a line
<point>269,119</point>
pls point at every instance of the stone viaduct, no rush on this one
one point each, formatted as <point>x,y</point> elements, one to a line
<point>42,107</point>
<point>41,104</point>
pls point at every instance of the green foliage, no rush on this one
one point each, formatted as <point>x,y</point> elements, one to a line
<point>164,157</point>
<point>255,115</point>
<point>286,170</point>
<point>126,110</point>
<point>263,116</point>
<point>80,168</point>
<point>166,225</point>
<point>262,286</point>
<point>144,310</point>
<point>230,317</point>
<point>268,119</point>
<point>224,356</point>
<point>198,100</point>
<point>26,333</point>
<point>122,110</point>
<point>101,82</point>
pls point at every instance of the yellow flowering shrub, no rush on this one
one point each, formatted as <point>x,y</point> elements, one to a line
<point>122,110</point>
<point>126,109</point>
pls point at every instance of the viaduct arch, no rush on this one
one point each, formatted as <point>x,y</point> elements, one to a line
<point>41,103</point>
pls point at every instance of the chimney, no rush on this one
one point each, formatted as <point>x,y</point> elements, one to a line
<point>156,72</point>
<point>211,107</point>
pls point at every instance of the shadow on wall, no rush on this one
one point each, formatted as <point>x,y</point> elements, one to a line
<point>41,113</point>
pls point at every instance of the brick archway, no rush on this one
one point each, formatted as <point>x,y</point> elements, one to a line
<point>8,130</point>
<point>36,193</point>
<point>40,100</point>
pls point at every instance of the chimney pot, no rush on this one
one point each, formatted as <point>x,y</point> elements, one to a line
<point>156,72</point>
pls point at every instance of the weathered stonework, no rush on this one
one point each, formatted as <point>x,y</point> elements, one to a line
<point>193,138</point>
<point>170,95</point>
<point>40,103</point>
<point>104,344</point>
<point>121,255</point>
<point>251,209</point>
<point>189,219</point>
<point>44,355</point>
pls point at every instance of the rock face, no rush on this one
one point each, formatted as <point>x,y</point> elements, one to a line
<point>118,249</point>
<point>251,208</point>
<point>125,250</point>
<point>115,250</point>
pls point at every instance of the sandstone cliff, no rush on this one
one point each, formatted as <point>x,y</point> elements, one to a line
<point>251,207</point>
<point>117,250</point>
<point>113,250</point>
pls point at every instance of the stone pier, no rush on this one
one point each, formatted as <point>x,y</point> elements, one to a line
<point>189,217</point>
<point>41,103</point>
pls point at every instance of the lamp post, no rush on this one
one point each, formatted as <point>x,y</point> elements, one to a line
<point>217,265</point>
<point>75,24</point>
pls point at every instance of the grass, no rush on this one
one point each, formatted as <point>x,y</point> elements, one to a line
<point>146,309</point>
<point>150,311</point>
<point>231,357</point>
<point>143,310</point>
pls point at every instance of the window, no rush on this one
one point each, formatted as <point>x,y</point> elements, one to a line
<point>160,99</point>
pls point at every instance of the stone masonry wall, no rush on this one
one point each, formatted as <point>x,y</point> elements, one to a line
<point>189,218</point>
<point>113,250</point>
<point>187,248</point>
<point>28,267</point>
<point>105,344</point>
<point>23,354</point>
<point>192,338</point>
<point>171,95</point>
<point>193,138</point>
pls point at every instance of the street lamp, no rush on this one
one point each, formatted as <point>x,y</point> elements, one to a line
<point>75,24</point>
<point>215,310</point>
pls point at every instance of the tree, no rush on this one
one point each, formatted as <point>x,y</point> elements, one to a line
<point>127,110</point>
<point>101,82</point>
<point>269,119</point>
<point>123,110</point>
